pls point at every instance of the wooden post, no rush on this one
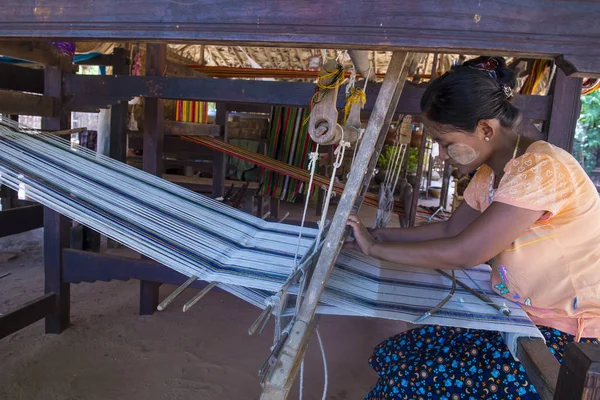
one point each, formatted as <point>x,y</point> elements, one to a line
<point>274,207</point>
<point>56,226</point>
<point>417,188</point>
<point>566,107</point>
<point>579,376</point>
<point>220,159</point>
<point>119,112</point>
<point>541,366</point>
<point>7,195</point>
<point>154,120</point>
<point>282,375</point>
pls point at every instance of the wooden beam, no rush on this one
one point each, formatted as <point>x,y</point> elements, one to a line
<point>87,92</point>
<point>14,77</point>
<point>579,376</point>
<point>38,52</point>
<point>279,381</point>
<point>84,266</point>
<point>13,102</point>
<point>566,108</point>
<point>156,58</point>
<point>551,28</point>
<point>176,128</point>
<point>27,314</point>
<point>541,366</point>
<point>22,219</point>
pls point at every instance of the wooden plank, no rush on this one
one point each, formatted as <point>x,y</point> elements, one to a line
<point>13,102</point>
<point>84,266</point>
<point>176,128</point>
<point>579,375</point>
<point>537,28</point>
<point>282,375</point>
<point>156,58</point>
<point>14,77</point>
<point>541,366</point>
<point>27,314</point>
<point>38,52</point>
<point>56,226</point>
<point>22,219</point>
<point>566,108</point>
<point>87,92</point>
<point>220,159</point>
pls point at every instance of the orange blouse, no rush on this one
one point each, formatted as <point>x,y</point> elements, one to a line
<point>553,268</point>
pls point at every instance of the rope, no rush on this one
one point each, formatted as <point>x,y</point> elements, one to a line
<point>357,96</point>
<point>313,158</point>
<point>339,153</point>
<point>326,383</point>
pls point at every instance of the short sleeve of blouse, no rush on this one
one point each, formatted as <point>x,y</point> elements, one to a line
<point>478,190</point>
<point>535,181</point>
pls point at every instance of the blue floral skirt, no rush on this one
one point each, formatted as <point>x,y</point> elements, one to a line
<point>436,362</point>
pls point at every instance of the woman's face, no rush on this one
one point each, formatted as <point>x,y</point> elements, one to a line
<point>463,150</point>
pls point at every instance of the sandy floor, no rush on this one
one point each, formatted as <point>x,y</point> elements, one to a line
<point>110,352</point>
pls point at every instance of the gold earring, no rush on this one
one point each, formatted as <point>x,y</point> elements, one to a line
<point>487,138</point>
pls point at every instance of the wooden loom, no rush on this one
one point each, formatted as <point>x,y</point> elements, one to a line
<point>496,28</point>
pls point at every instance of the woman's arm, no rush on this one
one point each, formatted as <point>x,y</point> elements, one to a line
<point>460,219</point>
<point>487,236</point>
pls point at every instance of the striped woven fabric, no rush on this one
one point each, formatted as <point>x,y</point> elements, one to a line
<point>289,143</point>
<point>249,257</point>
<point>191,111</point>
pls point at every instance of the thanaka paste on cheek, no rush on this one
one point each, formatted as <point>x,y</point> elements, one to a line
<point>462,154</point>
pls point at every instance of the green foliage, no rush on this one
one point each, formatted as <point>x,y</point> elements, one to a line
<point>387,156</point>
<point>413,159</point>
<point>587,134</point>
<point>389,153</point>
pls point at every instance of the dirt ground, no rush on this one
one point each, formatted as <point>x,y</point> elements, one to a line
<point>110,352</point>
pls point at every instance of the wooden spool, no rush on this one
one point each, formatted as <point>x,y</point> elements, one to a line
<point>323,127</point>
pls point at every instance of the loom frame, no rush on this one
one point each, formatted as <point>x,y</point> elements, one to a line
<point>553,34</point>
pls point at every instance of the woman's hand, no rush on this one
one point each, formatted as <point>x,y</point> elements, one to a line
<point>363,240</point>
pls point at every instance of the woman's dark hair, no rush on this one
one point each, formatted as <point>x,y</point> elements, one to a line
<point>478,89</point>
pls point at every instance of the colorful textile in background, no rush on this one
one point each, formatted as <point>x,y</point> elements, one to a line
<point>288,142</point>
<point>191,111</point>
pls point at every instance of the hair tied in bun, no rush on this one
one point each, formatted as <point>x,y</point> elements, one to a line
<point>490,66</point>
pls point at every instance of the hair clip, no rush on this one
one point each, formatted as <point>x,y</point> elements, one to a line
<point>508,92</point>
<point>489,66</point>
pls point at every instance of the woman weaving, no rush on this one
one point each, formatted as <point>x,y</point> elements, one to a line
<point>530,208</point>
